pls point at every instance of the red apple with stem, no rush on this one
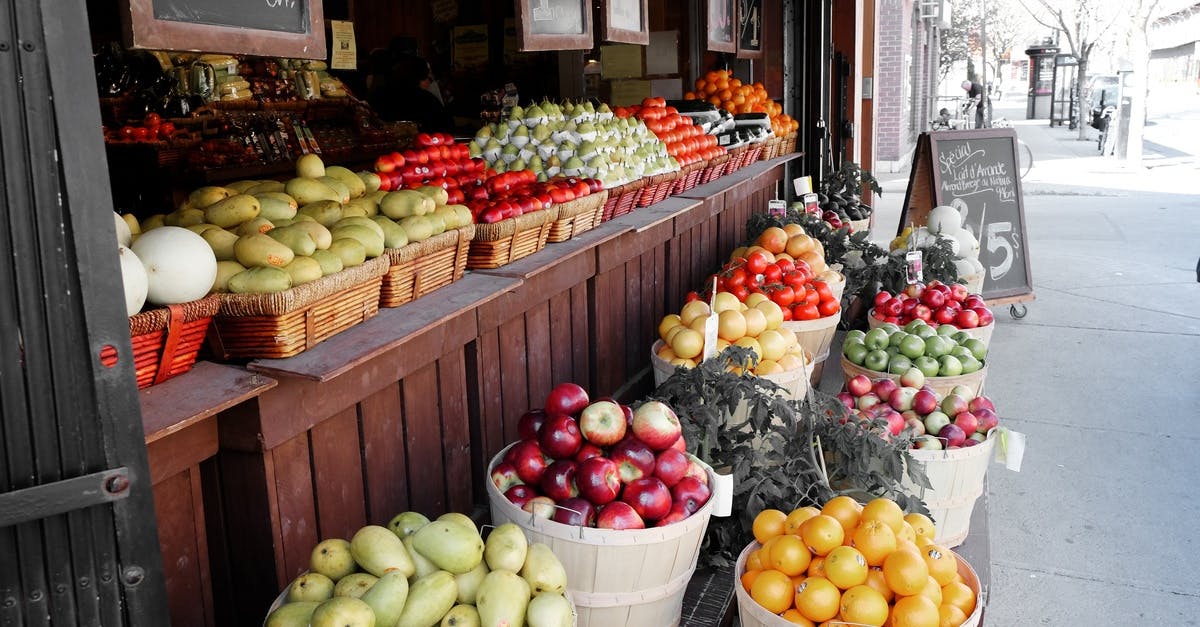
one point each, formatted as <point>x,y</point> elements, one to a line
<point>691,493</point>
<point>883,388</point>
<point>598,480</point>
<point>541,506</point>
<point>953,435</point>
<point>558,482</point>
<point>566,398</point>
<point>697,472</point>
<point>980,402</point>
<point>924,402</point>
<point>527,458</point>
<point>588,451</point>
<point>634,459</point>
<point>603,423</point>
<point>560,437</point>
<point>519,495</point>
<point>649,497</point>
<point>657,425</point>
<point>575,511</point>
<point>670,466</point>
<point>677,514</point>
<point>618,515</point>
<point>858,385</point>
<point>530,423</point>
<point>966,421</point>
<point>504,476</point>
<point>988,420</point>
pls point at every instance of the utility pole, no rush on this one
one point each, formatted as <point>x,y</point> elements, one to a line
<point>983,38</point>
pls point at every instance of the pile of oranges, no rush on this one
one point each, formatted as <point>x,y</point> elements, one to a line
<point>724,91</point>
<point>860,564</point>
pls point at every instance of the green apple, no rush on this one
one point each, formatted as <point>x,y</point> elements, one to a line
<point>925,332</point>
<point>899,364</point>
<point>927,365</point>
<point>961,352</point>
<point>950,366</point>
<point>977,347</point>
<point>912,346</point>
<point>855,335</point>
<point>960,337</point>
<point>876,360</point>
<point>970,364</point>
<point>889,328</point>
<point>937,346</point>
<point>897,337</point>
<point>876,338</point>
<point>947,330</point>
<point>855,352</point>
<point>965,392</point>
<point>911,327</point>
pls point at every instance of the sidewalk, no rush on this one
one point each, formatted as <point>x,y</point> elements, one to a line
<point>1099,526</point>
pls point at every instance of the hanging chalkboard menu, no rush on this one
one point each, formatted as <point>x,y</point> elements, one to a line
<point>721,23</point>
<point>284,28</point>
<point>624,21</point>
<point>750,29</point>
<point>554,24</point>
<point>976,172</point>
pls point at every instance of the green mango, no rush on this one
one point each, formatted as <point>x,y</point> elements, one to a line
<point>429,598</point>
<point>418,228</point>
<point>549,609</point>
<point>422,563</point>
<point>292,614</point>
<point>332,558</point>
<point>260,281</point>
<point>502,599</point>
<point>354,585</point>
<point>221,242</point>
<point>371,181</point>
<point>387,598</point>
<point>405,203</point>
<point>153,222</point>
<point>257,225</point>
<point>265,187</point>
<point>315,230</point>
<point>310,587</point>
<point>185,218</point>
<point>377,550</point>
<point>199,229</point>
<point>262,251</point>
<point>437,222</point>
<point>327,212</point>
<point>276,205</point>
<point>307,191</point>
<point>448,216</point>
<point>303,270</point>
<point>348,178</point>
<point>372,242</point>
<point>233,211</point>
<point>378,196</point>
<point>468,583</point>
<point>361,221</point>
<point>240,187</point>
<point>543,571</point>
<point>506,548</point>
<point>405,524</point>
<point>342,190</point>
<point>225,271</point>
<point>297,239</point>
<point>330,262</point>
<point>310,166</point>
<point>393,235</point>
<point>461,616</point>
<point>351,251</point>
<point>451,545</point>
<point>437,193</point>
<point>343,612</point>
<point>203,197</point>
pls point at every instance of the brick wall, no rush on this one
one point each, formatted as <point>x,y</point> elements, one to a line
<point>903,78</point>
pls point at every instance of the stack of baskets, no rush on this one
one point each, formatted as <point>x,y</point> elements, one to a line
<point>166,340</point>
<point>506,241</point>
<point>578,216</point>
<point>421,267</point>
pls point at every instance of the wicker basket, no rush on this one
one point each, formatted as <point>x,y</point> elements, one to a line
<point>657,189</point>
<point>715,169</point>
<point>578,216</point>
<point>771,148</point>
<point>287,323</point>
<point>689,177</point>
<point>621,199</point>
<point>508,240</point>
<point>422,267</point>
<point>789,144</point>
<point>166,340</point>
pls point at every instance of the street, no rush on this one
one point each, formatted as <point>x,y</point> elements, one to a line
<point>1099,526</point>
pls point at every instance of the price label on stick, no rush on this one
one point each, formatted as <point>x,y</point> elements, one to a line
<point>777,207</point>
<point>710,326</point>
<point>810,204</point>
<point>912,267</point>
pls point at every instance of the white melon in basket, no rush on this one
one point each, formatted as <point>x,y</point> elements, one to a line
<point>180,266</point>
<point>944,220</point>
<point>124,235</point>
<point>968,246</point>
<point>133,277</point>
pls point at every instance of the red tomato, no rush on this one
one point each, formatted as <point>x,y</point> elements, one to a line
<point>828,308</point>
<point>141,133</point>
<point>787,314</point>
<point>783,296</point>
<point>741,293</point>
<point>772,274</point>
<point>757,262</point>
<point>882,297</point>
<point>786,265</point>
<point>166,130</point>
<point>736,278</point>
<point>806,312</point>
<point>811,296</point>
<point>152,119</point>
<point>823,290</point>
<point>691,296</point>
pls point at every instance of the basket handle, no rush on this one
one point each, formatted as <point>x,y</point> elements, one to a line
<point>175,318</point>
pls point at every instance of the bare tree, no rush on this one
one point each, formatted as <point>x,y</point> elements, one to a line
<point>1137,49</point>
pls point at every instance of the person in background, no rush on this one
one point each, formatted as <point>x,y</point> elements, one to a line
<point>404,95</point>
<point>975,93</point>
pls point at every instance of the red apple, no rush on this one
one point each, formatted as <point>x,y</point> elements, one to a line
<point>560,437</point>
<point>697,472</point>
<point>958,292</point>
<point>980,402</point>
<point>677,513</point>
<point>966,319</point>
<point>602,423</point>
<point>924,402</point>
<point>680,445</point>
<point>954,405</point>
<point>691,493</point>
<point>527,458</point>
<point>933,298</point>
<point>588,451</point>
<point>530,423</point>
<point>988,420</point>
<point>883,388</point>
<point>598,480</point>
<point>915,424</point>
<point>670,466</point>
<point>519,495</point>
<point>944,315</point>
<point>618,515</point>
<point>634,459</point>
<point>895,422</point>
<point>649,497</point>
<point>858,385</point>
<point>628,411</point>
<point>505,476</point>
<point>655,424</point>
<point>566,398</point>
<point>541,506</point>
<point>847,398</point>
<point>922,312</point>
<point>867,401</point>
<point>558,482</point>
<point>902,398</point>
<point>953,435</point>
<point>575,511</point>
<point>985,316</point>
<point>927,442</point>
<point>973,300</point>
<point>976,438</point>
<point>966,421</point>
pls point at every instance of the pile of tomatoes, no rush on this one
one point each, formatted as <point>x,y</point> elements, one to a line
<point>152,129</point>
<point>789,283</point>
<point>685,141</point>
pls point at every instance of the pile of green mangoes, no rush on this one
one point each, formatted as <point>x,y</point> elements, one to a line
<point>421,573</point>
<point>269,236</point>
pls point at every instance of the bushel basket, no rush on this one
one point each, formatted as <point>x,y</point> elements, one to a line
<point>421,267</point>
<point>166,340</point>
<point>506,241</point>
<point>622,199</point>
<point>578,216</point>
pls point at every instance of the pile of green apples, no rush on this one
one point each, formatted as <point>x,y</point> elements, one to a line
<point>941,351</point>
<point>419,573</point>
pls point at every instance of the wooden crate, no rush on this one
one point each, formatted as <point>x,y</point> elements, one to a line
<point>288,323</point>
<point>422,267</point>
<point>166,340</point>
<point>508,240</point>
<point>578,216</point>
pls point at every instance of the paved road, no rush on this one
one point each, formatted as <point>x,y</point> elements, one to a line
<point>1100,526</point>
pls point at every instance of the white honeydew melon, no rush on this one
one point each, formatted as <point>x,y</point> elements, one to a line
<point>124,235</point>
<point>976,264</point>
<point>133,277</point>
<point>964,267</point>
<point>954,246</point>
<point>922,237</point>
<point>944,220</point>
<point>968,246</point>
<point>180,265</point>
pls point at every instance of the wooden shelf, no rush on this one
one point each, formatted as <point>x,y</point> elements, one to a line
<point>729,181</point>
<point>205,390</point>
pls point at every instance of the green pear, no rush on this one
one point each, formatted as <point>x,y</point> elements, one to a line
<point>332,558</point>
<point>343,612</point>
<point>468,583</point>
<point>310,587</point>
<point>543,571</point>
<point>387,598</point>
<point>354,585</point>
<point>422,563</point>
<point>462,519</point>
<point>429,598</point>
<point>506,548</point>
<point>378,550</point>
<point>292,614</point>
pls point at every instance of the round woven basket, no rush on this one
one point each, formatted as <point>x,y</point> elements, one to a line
<point>980,333</point>
<point>940,385</point>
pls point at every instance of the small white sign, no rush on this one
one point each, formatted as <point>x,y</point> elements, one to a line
<point>913,267</point>
<point>777,207</point>
<point>1011,449</point>
<point>722,495</point>
<point>802,185</point>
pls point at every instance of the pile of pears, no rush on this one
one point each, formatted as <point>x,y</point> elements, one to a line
<point>420,573</point>
<point>270,236</point>
<point>576,140</point>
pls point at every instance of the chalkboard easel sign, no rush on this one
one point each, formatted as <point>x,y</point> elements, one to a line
<point>278,28</point>
<point>975,171</point>
<point>554,25</point>
<point>750,29</point>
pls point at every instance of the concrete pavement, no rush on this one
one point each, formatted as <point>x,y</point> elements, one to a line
<point>1099,527</point>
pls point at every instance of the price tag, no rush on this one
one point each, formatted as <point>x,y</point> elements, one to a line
<point>777,207</point>
<point>810,204</point>
<point>710,326</point>
<point>722,495</point>
<point>724,139</point>
<point>1010,450</point>
<point>802,185</point>
<point>913,269</point>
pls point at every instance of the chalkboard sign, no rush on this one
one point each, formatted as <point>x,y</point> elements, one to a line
<point>283,28</point>
<point>554,24</point>
<point>624,21</point>
<point>750,29</point>
<point>721,21</point>
<point>976,172</point>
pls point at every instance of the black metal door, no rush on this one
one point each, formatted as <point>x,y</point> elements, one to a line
<point>78,544</point>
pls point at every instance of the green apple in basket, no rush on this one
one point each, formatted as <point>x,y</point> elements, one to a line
<point>950,366</point>
<point>912,346</point>
<point>927,365</point>
<point>876,360</point>
<point>876,338</point>
<point>856,352</point>
<point>899,364</point>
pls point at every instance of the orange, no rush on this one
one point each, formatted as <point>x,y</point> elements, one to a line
<point>906,574</point>
<point>816,568</point>
<point>932,591</point>
<point>798,245</point>
<point>794,616</point>
<point>822,533</point>
<point>845,567</point>
<point>789,555</point>
<point>748,578</point>
<point>921,524</point>
<point>915,611</point>
<point>798,516</point>
<point>941,562</point>
<point>906,532</point>
<point>959,595</point>
<point>772,590</point>
<point>863,605</point>
<point>845,509</point>
<point>905,545</point>
<point>818,599</point>
<point>754,560</point>
<point>883,509</point>
<point>876,580</point>
<point>950,616</point>
<point>793,229</point>
<point>731,326</point>
<point>773,239</point>
<point>768,524</point>
<point>875,540</point>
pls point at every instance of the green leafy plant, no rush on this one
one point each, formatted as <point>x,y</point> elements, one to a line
<point>849,180</point>
<point>783,454</point>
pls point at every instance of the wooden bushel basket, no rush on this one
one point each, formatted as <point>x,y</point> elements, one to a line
<point>508,240</point>
<point>751,614</point>
<point>287,323</point>
<point>627,577</point>
<point>166,340</point>
<point>422,267</point>
<point>940,385</point>
<point>956,480</point>
<point>816,336</point>
<point>578,216</point>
